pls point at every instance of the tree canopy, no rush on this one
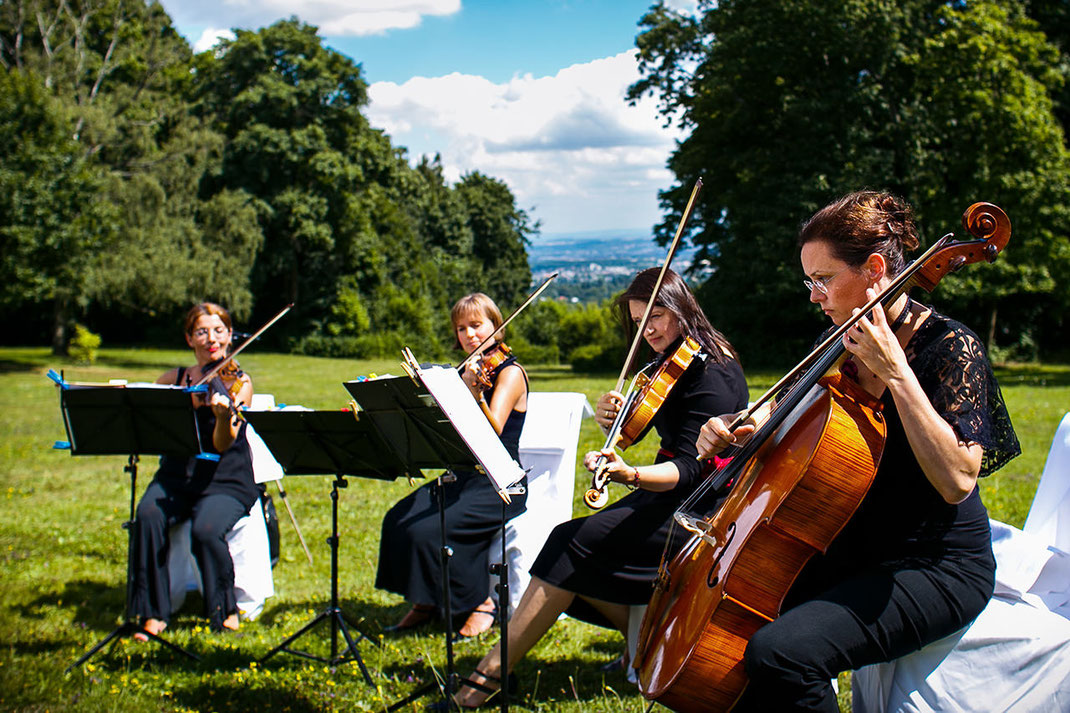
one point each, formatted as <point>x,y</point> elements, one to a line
<point>144,178</point>
<point>788,104</point>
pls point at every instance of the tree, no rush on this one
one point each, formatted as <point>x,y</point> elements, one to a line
<point>51,225</point>
<point>788,104</point>
<point>500,233</point>
<point>118,70</point>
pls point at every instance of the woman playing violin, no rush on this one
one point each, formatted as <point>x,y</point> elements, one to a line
<point>914,563</point>
<point>596,567</point>
<point>410,547</point>
<point>214,495</point>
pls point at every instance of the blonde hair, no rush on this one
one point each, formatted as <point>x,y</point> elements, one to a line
<point>476,302</point>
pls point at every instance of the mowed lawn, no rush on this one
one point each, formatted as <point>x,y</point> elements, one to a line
<point>64,560</point>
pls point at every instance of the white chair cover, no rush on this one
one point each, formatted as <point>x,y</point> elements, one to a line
<point>1049,515</point>
<point>247,540</point>
<point>1016,655</point>
<point>548,451</point>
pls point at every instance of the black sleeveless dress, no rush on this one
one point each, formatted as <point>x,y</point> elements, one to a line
<point>412,540</point>
<point>613,555</point>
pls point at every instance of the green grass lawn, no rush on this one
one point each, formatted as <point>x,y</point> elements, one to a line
<point>64,557</point>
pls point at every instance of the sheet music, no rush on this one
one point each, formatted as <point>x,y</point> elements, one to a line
<point>455,400</point>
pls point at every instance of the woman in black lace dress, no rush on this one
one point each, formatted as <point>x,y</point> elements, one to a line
<point>410,547</point>
<point>914,564</point>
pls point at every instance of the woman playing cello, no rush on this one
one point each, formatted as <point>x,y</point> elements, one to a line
<point>213,494</point>
<point>914,563</point>
<point>409,550</point>
<point>596,566</point>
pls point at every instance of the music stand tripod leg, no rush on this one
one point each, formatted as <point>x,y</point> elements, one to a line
<point>129,625</point>
<point>333,612</point>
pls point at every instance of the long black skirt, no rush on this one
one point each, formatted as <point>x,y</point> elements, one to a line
<point>411,543</point>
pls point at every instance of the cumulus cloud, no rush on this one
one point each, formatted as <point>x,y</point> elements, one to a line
<point>335,18</point>
<point>564,143</point>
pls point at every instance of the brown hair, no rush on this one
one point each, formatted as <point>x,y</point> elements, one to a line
<point>475,302</point>
<point>205,309</point>
<point>863,223</point>
<point>676,297</point>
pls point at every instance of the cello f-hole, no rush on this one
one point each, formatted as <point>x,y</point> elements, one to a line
<point>711,576</point>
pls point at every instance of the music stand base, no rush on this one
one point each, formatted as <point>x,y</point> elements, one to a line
<point>128,628</point>
<point>339,622</point>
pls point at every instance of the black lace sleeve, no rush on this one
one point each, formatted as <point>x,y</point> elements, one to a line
<point>964,391</point>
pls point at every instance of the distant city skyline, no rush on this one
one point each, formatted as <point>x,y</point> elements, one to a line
<point>531,93</point>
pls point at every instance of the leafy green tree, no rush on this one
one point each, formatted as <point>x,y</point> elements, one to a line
<point>52,227</point>
<point>119,71</point>
<point>501,232</point>
<point>788,104</point>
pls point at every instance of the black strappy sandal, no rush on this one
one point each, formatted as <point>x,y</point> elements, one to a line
<point>443,706</point>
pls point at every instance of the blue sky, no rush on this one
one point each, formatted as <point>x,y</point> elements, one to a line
<point>528,92</point>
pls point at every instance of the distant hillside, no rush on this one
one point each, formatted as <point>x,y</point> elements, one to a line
<point>594,265</point>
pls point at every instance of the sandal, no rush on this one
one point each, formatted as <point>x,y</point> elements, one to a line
<point>417,616</point>
<point>154,627</point>
<point>442,706</point>
<point>492,613</point>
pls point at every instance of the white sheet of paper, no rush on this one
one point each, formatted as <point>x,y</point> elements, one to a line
<point>453,396</point>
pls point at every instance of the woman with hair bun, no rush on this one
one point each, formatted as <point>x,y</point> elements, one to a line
<point>914,564</point>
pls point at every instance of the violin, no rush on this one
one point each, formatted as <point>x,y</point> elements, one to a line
<point>799,478</point>
<point>596,496</point>
<point>483,366</point>
<point>227,381</point>
<point>646,396</point>
<point>488,361</point>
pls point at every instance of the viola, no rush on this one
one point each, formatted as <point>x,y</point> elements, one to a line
<point>799,478</point>
<point>639,409</point>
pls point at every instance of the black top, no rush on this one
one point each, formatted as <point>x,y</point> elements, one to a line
<point>903,519</point>
<point>614,553</point>
<point>231,475</point>
<point>513,425</point>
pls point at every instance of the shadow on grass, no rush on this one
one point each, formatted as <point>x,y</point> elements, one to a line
<point>283,696</point>
<point>1032,375</point>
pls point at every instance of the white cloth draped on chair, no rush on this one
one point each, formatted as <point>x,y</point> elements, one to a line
<point>1016,655</point>
<point>247,540</point>
<point>548,446</point>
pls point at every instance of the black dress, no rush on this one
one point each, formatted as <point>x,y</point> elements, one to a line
<point>908,568</point>
<point>214,495</point>
<point>613,555</point>
<point>411,542</point>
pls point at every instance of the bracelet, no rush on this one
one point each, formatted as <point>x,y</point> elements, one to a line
<point>634,482</point>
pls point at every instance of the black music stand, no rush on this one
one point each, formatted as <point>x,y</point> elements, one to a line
<point>134,421</point>
<point>319,443</point>
<point>439,431</point>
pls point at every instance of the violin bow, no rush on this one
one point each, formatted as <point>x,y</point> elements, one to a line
<point>531,298</point>
<point>223,362</point>
<point>657,285</point>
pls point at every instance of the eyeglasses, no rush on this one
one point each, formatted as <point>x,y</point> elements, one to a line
<point>203,332</point>
<point>821,284</point>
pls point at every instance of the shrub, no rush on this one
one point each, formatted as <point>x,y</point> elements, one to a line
<point>84,345</point>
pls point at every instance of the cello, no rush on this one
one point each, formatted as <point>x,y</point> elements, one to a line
<point>799,478</point>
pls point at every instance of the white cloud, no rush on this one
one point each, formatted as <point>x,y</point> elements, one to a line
<point>567,144</point>
<point>335,18</point>
<point>210,37</point>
